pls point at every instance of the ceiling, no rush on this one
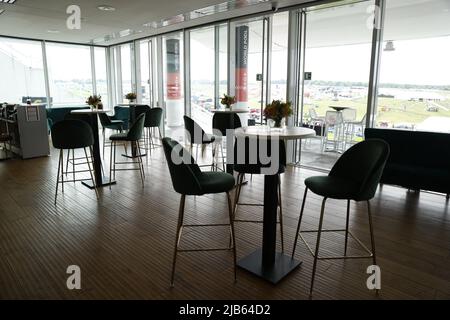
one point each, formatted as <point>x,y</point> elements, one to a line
<point>34,18</point>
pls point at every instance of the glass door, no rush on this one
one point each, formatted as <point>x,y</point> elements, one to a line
<point>248,67</point>
<point>334,85</point>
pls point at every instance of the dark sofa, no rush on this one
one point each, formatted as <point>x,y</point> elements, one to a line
<point>418,160</point>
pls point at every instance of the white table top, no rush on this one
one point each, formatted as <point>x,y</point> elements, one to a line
<point>287,133</point>
<point>89,111</point>
<point>228,111</point>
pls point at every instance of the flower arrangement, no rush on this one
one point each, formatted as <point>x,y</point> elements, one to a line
<point>130,96</point>
<point>277,110</point>
<point>228,100</point>
<point>94,101</point>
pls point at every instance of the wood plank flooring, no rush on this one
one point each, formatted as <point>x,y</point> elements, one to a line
<point>123,243</point>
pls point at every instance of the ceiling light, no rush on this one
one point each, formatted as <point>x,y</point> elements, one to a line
<point>52,31</point>
<point>7,1</point>
<point>389,46</point>
<point>105,7</point>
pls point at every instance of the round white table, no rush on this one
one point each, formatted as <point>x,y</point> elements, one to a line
<point>266,262</point>
<point>100,180</point>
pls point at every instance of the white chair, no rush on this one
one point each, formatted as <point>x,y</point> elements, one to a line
<point>335,122</point>
<point>352,126</point>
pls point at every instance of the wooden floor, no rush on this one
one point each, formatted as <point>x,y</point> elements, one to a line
<point>123,243</point>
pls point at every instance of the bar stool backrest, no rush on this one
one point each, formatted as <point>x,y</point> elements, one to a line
<point>349,114</point>
<point>195,132</point>
<point>72,134</point>
<point>153,117</point>
<point>363,164</point>
<point>333,118</point>
<point>104,119</point>
<point>226,120</point>
<point>183,169</point>
<point>135,132</point>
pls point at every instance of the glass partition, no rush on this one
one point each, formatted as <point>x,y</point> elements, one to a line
<point>414,89</point>
<point>22,71</point>
<point>69,71</point>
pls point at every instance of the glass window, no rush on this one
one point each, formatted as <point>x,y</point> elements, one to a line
<point>125,64</point>
<point>22,71</point>
<point>278,73</point>
<point>145,85</point>
<point>414,89</point>
<point>69,70</point>
<point>337,69</point>
<point>101,74</point>
<point>202,76</point>
<point>223,61</point>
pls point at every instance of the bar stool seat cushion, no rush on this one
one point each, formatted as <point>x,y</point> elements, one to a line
<point>119,137</point>
<point>332,187</point>
<point>215,182</point>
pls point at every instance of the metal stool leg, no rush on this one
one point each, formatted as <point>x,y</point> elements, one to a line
<point>316,255</point>
<point>372,237</point>
<point>346,227</point>
<point>299,222</point>
<point>90,171</point>
<point>178,236</point>
<point>57,176</point>
<point>230,213</point>
<point>110,165</point>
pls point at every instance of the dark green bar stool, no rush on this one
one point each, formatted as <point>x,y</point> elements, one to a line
<point>355,176</point>
<point>153,120</point>
<point>132,136</point>
<point>197,136</point>
<point>247,166</point>
<point>70,135</point>
<point>189,180</point>
<point>111,124</point>
<point>76,161</point>
<point>221,122</point>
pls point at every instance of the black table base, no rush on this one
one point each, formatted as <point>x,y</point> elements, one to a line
<point>105,182</point>
<point>282,266</point>
<point>267,263</point>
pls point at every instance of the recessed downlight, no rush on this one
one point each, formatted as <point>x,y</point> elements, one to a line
<point>53,31</point>
<point>105,7</point>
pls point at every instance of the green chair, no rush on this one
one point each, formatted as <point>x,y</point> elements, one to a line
<point>70,135</point>
<point>197,136</point>
<point>247,166</point>
<point>153,120</point>
<point>355,176</point>
<point>111,124</point>
<point>132,136</point>
<point>76,161</point>
<point>189,180</point>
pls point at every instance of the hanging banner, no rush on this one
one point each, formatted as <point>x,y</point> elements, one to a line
<point>241,68</point>
<point>174,103</point>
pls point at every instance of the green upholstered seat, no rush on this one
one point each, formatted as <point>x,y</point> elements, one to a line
<point>226,120</point>
<point>187,178</point>
<point>135,132</point>
<point>356,174</point>
<point>332,187</point>
<point>122,113</point>
<point>56,114</point>
<point>72,134</point>
<point>196,134</point>
<point>153,117</point>
<point>109,123</point>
